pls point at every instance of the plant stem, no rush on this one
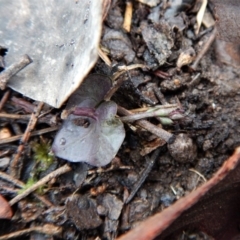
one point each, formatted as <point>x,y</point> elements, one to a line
<point>154,112</point>
<point>166,136</point>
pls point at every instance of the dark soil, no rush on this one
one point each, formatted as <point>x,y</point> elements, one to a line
<point>89,203</point>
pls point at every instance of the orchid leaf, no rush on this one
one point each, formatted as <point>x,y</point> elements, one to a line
<point>91,92</point>
<point>89,134</point>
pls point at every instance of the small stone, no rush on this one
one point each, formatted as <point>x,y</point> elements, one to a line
<point>101,210</point>
<point>183,149</point>
<point>207,145</point>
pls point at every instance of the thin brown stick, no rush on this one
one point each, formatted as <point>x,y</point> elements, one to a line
<point>31,125</point>
<point>43,200</point>
<point>15,116</point>
<point>123,69</point>
<point>143,175</point>
<point>4,99</point>
<point>116,85</point>
<point>204,49</point>
<point>104,57</point>
<point>11,179</point>
<point>8,190</point>
<point>48,229</point>
<point>35,133</point>
<point>65,168</point>
<point>13,70</point>
<point>166,136</point>
<point>5,153</point>
<point>112,168</point>
<point>159,95</point>
<point>196,79</point>
<point>20,184</point>
<point>116,75</point>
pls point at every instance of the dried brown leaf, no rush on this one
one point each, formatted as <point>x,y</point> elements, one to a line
<point>5,209</point>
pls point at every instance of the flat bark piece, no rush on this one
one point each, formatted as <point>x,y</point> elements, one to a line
<point>217,213</point>
<point>82,212</point>
<point>113,205</point>
<point>60,37</point>
<point>158,39</point>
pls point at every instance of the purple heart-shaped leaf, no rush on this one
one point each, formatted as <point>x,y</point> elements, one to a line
<point>90,135</point>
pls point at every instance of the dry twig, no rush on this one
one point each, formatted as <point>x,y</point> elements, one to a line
<point>20,184</point>
<point>48,229</point>
<point>31,125</point>
<point>4,99</point>
<point>65,168</point>
<point>13,70</point>
<point>15,116</point>
<point>104,57</point>
<point>116,75</point>
<point>204,49</point>
<point>35,133</point>
<point>159,95</point>
<point>143,175</point>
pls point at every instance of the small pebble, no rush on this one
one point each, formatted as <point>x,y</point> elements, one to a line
<point>167,199</point>
<point>4,162</point>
